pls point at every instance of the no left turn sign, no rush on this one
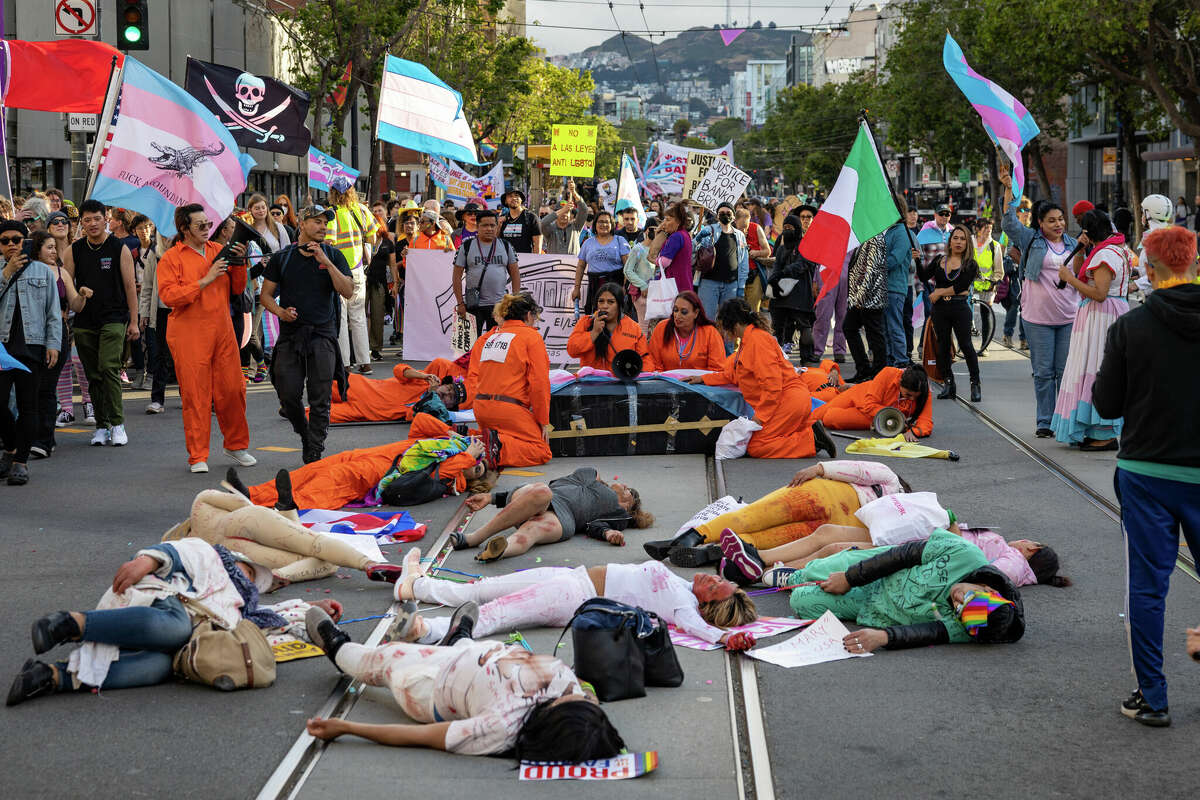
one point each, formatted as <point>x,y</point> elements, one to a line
<point>75,18</point>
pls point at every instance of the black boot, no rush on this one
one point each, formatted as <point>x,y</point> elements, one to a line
<point>34,679</point>
<point>235,483</point>
<point>663,547</point>
<point>462,624</point>
<point>698,556</point>
<point>283,491</point>
<point>948,391</point>
<point>976,391</point>
<point>325,633</point>
<point>822,440</point>
<point>53,630</point>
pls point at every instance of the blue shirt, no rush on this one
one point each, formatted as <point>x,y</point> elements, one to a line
<point>606,257</point>
<point>898,249</point>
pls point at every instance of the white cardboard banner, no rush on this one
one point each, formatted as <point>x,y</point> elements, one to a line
<point>722,183</point>
<point>429,318</point>
<point>820,642</point>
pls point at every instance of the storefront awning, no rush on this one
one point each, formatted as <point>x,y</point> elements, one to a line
<point>1175,154</point>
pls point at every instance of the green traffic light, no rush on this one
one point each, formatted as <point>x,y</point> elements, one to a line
<point>133,34</point>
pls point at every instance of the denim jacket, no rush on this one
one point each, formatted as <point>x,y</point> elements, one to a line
<point>707,237</point>
<point>41,314</point>
<point>1031,243</point>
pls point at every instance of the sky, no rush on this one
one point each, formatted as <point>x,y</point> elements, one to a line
<point>660,15</point>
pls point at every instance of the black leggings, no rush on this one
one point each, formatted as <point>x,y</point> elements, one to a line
<point>17,434</point>
<point>954,314</point>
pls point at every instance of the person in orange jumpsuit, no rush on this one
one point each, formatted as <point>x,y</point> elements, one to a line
<point>342,478</point>
<point>600,336</point>
<point>445,368</point>
<point>369,400</point>
<point>687,339</point>
<point>770,385</point>
<point>823,381</point>
<point>856,406</point>
<point>197,286</point>
<point>512,403</point>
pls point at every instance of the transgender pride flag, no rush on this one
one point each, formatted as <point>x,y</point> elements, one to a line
<point>165,149</point>
<point>420,111</point>
<point>1005,119</point>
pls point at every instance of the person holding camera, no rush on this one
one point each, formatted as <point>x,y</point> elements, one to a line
<point>196,278</point>
<point>310,279</point>
<point>489,263</point>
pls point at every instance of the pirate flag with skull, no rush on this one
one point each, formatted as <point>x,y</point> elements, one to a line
<point>259,112</point>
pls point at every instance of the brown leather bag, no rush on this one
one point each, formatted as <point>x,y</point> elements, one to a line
<point>225,658</point>
<point>929,345</point>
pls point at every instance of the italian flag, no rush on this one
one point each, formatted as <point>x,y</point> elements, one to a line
<point>859,206</point>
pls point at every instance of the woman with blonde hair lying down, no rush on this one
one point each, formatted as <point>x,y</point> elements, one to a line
<point>548,597</point>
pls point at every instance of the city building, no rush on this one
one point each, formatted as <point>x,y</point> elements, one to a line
<point>762,82</point>
<point>800,60</point>
<point>847,48</point>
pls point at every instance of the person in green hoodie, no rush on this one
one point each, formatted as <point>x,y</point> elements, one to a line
<point>911,595</point>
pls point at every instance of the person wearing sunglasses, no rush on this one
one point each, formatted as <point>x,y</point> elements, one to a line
<point>100,262</point>
<point>31,330</point>
<point>196,280</point>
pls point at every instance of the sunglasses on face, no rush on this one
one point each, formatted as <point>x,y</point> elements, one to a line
<point>205,225</point>
<point>58,222</point>
<point>6,240</point>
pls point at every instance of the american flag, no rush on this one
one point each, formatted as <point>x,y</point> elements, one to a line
<point>389,526</point>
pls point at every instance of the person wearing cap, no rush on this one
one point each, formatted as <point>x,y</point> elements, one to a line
<point>731,262</point>
<point>430,234</point>
<point>911,595</point>
<point>519,226</point>
<point>561,228</point>
<point>469,216</point>
<point>302,285</point>
<point>488,264</point>
<point>389,399</point>
<point>1148,378</point>
<point>353,232</point>
<point>1157,213</point>
<point>197,282</point>
<point>1081,208</point>
<point>141,621</point>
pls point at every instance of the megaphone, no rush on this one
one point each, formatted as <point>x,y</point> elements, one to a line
<point>627,365</point>
<point>888,422</point>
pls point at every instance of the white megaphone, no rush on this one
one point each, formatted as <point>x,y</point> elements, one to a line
<point>889,422</point>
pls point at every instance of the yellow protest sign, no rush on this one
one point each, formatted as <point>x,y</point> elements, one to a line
<point>698,163</point>
<point>288,648</point>
<point>573,150</point>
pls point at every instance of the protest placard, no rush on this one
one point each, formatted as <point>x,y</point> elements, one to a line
<point>820,642</point>
<point>722,183</point>
<point>573,150</point>
<point>698,162</point>
<point>626,765</point>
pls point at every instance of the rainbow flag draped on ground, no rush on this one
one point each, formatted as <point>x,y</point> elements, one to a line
<point>1007,122</point>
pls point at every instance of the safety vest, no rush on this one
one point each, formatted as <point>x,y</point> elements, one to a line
<point>348,233</point>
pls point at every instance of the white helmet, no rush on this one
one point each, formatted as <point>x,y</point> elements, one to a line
<point>1158,208</point>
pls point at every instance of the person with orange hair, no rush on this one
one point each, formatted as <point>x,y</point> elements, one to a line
<point>512,399</point>
<point>1148,378</point>
<point>598,337</point>
<point>769,383</point>
<point>687,339</point>
<point>197,285</point>
<point>856,405</point>
<point>344,477</point>
<point>369,400</point>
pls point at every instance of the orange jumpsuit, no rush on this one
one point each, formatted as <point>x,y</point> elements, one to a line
<point>817,379</point>
<point>377,400</point>
<point>773,389</point>
<point>855,408</point>
<point>628,336</point>
<point>200,335</point>
<point>705,350</point>
<point>345,477</point>
<point>445,368</point>
<point>517,367</point>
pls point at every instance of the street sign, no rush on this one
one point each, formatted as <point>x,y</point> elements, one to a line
<point>82,123</point>
<point>76,18</point>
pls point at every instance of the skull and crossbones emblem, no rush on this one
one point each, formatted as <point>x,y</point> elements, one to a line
<point>250,92</point>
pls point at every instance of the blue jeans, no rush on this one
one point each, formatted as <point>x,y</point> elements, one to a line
<point>897,342</point>
<point>1048,345</point>
<point>148,637</point>
<point>1152,512</point>
<point>712,295</point>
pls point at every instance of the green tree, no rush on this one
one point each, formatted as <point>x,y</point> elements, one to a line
<point>728,129</point>
<point>637,132</point>
<point>680,130</point>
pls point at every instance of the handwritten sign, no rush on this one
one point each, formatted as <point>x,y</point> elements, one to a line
<point>711,511</point>
<point>761,628</point>
<point>573,150</point>
<point>820,642</point>
<point>722,183</point>
<point>698,162</point>
<point>627,765</point>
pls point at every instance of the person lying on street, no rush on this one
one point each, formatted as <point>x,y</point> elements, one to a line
<point>935,591</point>
<point>548,596</point>
<point>554,512</point>
<point>472,698</point>
<point>141,621</point>
<point>823,493</point>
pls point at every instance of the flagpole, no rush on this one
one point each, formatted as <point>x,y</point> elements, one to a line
<point>106,114</point>
<point>862,116</point>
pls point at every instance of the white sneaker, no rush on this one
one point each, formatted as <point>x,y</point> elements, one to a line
<point>101,437</point>
<point>154,408</point>
<point>242,457</point>
<point>119,437</point>
<point>65,418</point>
<point>89,414</point>
<point>199,467</point>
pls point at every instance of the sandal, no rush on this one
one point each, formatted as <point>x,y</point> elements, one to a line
<point>493,550</point>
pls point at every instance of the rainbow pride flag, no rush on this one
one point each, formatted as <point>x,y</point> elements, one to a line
<point>975,610</point>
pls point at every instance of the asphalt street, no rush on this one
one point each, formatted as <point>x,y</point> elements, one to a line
<point>1038,718</point>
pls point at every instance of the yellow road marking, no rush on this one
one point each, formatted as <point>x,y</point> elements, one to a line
<point>274,449</point>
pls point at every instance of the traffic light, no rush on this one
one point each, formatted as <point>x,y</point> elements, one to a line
<point>133,25</point>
